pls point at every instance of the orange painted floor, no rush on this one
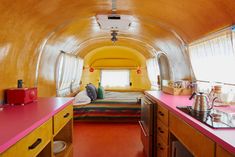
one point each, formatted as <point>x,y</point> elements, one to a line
<point>107,140</point>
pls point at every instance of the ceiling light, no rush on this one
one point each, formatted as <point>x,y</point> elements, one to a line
<point>114,35</point>
<point>114,21</point>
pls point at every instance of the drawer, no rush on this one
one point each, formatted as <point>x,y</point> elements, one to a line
<point>162,148</point>
<point>33,143</point>
<point>197,143</point>
<point>162,131</point>
<point>162,114</point>
<point>62,117</point>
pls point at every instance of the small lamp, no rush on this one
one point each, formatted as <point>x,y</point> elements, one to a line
<point>91,69</point>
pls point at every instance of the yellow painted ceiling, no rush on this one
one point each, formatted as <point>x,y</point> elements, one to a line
<point>114,56</point>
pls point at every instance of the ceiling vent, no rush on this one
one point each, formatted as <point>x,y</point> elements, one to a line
<point>114,21</point>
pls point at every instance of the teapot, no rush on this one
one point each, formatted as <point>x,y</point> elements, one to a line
<point>202,102</point>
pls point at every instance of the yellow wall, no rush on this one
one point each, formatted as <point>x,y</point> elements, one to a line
<point>139,81</point>
<point>114,53</point>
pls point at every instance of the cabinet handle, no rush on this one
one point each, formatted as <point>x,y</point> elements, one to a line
<point>162,114</point>
<point>160,146</point>
<point>35,144</point>
<point>160,130</point>
<point>66,115</point>
<point>143,131</point>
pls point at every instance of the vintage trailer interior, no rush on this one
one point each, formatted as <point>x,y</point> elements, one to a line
<point>117,78</point>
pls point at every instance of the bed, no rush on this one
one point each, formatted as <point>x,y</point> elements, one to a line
<point>116,106</point>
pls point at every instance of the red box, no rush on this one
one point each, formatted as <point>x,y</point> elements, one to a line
<point>21,96</point>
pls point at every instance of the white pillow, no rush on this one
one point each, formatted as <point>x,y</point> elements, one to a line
<point>82,98</point>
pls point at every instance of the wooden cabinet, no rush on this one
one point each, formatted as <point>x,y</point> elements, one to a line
<point>162,133</point>
<point>173,134</point>
<point>197,143</point>
<point>220,152</point>
<point>33,143</point>
<point>40,141</point>
<point>63,130</point>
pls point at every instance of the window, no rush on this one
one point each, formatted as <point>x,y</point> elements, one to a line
<point>68,74</point>
<point>213,59</point>
<point>115,78</point>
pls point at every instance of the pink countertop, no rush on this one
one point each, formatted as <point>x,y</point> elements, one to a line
<point>224,137</point>
<point>18,121</point>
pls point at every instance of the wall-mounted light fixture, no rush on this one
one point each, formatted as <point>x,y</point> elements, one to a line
<point>91,69</point>
<point>138,71</point>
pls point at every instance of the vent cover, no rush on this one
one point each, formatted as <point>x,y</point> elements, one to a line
<point>114,21</point>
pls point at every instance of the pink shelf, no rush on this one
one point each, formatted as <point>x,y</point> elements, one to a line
<point>18,121</point>
<point>224,137</point>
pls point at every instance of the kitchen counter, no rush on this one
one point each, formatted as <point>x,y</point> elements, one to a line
<point>18,121</point>
<point>224,137</point>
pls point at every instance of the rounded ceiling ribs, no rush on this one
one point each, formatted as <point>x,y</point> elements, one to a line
<point>163,26</point>
<point>100,59</point>
<point>83,44</point>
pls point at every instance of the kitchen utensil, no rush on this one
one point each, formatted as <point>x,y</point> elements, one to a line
<point>201,102</point>
<point>59,146</point>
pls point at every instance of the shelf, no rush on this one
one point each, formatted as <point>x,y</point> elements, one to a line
<point>65,134</point>
<point>176,91</point>
<point>65,153</point>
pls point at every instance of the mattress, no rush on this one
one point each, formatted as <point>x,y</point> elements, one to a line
<point>115,106</point>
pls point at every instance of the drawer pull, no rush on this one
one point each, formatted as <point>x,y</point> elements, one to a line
<point>35,144</point>
<point>160,130</point>
<point>66,115</point>
<point>161,114</point>
<point>160,146</point>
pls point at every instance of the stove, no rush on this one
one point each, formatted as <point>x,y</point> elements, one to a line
<point>213,118</point>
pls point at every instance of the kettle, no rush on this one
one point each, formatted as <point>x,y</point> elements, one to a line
<point>201,102</point>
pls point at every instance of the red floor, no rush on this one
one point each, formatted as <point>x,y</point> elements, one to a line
<point>107,140</point>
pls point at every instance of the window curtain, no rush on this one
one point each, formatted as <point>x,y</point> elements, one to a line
<point>233,37</point>
<point>153,72</point>
<point>77,74</point>
<point>69,72</point>
<point>213,59</point>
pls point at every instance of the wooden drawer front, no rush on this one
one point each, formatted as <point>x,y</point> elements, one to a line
<point>220,152</point>
<point>33,143</point>
<point>162,114</point>
<point>162,131</point>
<point>198,144</point>
<point>61,118</point>
<point>162,148</point>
